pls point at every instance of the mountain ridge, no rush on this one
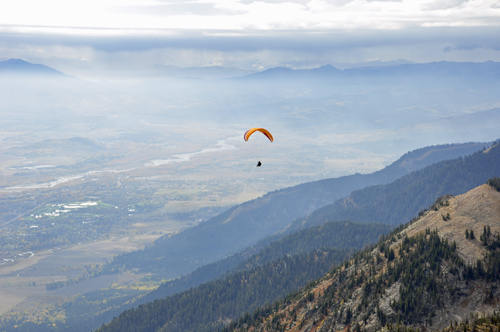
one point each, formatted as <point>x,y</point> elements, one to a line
<point>371,204</point>
<point>444,69</point>
<point>24,68</point>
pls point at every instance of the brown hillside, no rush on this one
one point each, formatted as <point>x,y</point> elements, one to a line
<point>470,211</point>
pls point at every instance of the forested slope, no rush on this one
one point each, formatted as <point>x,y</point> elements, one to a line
<point>339,234</point>
<point>206,307</point>
<point>273,272</point>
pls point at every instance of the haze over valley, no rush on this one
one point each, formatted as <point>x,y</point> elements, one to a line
<point>126,183</point>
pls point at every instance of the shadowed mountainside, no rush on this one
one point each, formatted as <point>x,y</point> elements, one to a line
<point>404,198</point>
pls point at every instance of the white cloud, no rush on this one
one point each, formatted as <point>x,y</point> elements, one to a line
<point>245,14</point>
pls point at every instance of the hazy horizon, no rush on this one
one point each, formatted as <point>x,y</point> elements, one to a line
<point>108,39</point>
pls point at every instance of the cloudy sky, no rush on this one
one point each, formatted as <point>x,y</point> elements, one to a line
<point>246,33</point>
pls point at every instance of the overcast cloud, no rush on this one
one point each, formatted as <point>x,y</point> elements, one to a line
<point>237,15</point>
<point>248,34</point>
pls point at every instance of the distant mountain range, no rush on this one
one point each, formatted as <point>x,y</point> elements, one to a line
<point>375,63</point>
<point>369,69</point>
<point>444,69</point>
<point>23,68</point>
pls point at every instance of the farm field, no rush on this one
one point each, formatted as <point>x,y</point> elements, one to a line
<point>26,282</point>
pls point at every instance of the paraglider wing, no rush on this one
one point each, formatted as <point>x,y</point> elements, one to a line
<point>250,131</point>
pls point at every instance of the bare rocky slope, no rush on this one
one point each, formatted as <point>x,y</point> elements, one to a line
<point>426,275</point>
<point>470,211</point>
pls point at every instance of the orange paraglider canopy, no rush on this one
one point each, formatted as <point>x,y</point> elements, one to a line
<point>250,131</point>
